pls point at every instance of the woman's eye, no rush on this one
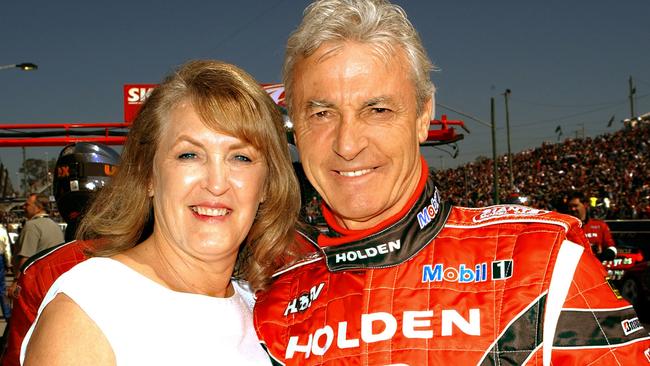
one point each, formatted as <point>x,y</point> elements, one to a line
<point>187,156</point>
<point>243,158</point>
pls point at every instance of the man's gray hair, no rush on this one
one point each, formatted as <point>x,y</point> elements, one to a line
<point>376,22</point>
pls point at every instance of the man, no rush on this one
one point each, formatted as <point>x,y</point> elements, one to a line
<point>81,170</point>
<point>39,231</point>
<point>596,231</point>
<point>402,278</point>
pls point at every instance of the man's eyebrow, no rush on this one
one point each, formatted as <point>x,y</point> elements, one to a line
<point>316,103</point>
<point>377,100</point>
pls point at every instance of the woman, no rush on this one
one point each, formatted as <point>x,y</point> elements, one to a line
<point>208,156</point>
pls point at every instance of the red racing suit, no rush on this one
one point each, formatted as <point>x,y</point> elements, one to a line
<point>442,285</point>
<point>598,234</point>
<point>39,273</point>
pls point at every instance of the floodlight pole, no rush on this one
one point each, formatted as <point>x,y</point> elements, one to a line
<point>25,66</point>
<point>632,92</point>
<point>512,179</point>
<point>494,154</point>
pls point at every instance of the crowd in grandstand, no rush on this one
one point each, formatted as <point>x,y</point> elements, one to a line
<point>612,168</point>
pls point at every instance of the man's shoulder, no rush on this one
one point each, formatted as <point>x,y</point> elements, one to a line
<point>465,217</point>
<point>596,222</point>
<point>56,258</point>
<point>306,262</point>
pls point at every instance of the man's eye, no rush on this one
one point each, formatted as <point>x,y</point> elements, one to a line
<point>187,156</point>
<point>321,114</point>
<point>380,110</point>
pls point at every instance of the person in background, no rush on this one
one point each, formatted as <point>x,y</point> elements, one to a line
<point>81,170</point>
<point>207,158</point>
<point>4,261</point>
<point>40,232</point>
<point>398,276</point>
<point>597,231</point>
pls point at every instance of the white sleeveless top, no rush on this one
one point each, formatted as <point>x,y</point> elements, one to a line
<point>149,324</point>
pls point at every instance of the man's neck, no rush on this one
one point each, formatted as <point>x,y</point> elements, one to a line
<point>39,214</point>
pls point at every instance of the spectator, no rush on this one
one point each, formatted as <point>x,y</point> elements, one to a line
<point>4,248</point>
<point>596,231</point>
<point>38,234</point>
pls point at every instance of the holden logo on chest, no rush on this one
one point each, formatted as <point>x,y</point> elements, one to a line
<point>304,301</point>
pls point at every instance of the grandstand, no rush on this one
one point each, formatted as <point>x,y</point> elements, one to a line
<point>613,167</point>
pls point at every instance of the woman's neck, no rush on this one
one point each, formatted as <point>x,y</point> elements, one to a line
<point>169,266</point>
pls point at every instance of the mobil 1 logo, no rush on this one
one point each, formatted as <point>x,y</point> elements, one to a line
<point>502,269</point>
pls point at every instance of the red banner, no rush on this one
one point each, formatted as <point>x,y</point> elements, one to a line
<point>134,96</point>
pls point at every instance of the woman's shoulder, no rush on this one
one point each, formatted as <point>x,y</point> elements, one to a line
<point>245,292</point>
<point>91,277</point>
<point>94,267</point>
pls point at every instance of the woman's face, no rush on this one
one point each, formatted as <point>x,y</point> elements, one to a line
<point>206,188</point>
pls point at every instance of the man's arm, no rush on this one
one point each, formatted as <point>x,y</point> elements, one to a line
<point>596,325</point>
<point>28,243</point>
<point>608,240</point>
<point>33,285</point>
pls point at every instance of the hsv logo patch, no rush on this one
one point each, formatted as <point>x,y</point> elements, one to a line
<point>500,270</point>
<point>647,354</point>
<point>631,325</point>
<point>304,301</point>
<point>506,210</point>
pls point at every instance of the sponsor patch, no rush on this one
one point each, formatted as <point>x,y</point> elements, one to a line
<point>506,210</point>
<point>430,211</point>
<point>304,301</point>
<point>647,354</point>
<point>500,270</point>
<point>614,289</point>
<point>383,326</point>
<point>369,252</point>
<point>631,325</point>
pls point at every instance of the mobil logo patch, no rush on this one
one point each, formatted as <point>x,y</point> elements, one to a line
<point>430,211</point>
<point>464,273</point>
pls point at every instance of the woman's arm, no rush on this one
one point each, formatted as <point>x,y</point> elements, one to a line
<point>65,335</point>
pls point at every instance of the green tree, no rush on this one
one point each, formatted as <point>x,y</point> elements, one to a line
<point>34,173</point>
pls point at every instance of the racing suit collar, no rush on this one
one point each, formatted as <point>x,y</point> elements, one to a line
<point>338,234</point>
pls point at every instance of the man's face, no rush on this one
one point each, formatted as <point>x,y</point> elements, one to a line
<point>578,209</point>
<point>358,131</point>
<point>31,208</point>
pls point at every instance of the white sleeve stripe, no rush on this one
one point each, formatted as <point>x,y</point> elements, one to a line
<point>605,346</point>
<point>599,310</point>
<point>565,266</point>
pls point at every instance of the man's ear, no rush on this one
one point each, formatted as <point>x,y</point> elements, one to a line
<point>424,120</point>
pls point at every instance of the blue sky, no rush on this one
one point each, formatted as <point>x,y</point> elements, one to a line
<point>566,62</point>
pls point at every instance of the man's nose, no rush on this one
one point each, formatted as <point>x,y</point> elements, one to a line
<point>350,139</point>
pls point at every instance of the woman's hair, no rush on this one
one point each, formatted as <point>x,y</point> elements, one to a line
<point>375,22</point>
<point>229,101</point>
